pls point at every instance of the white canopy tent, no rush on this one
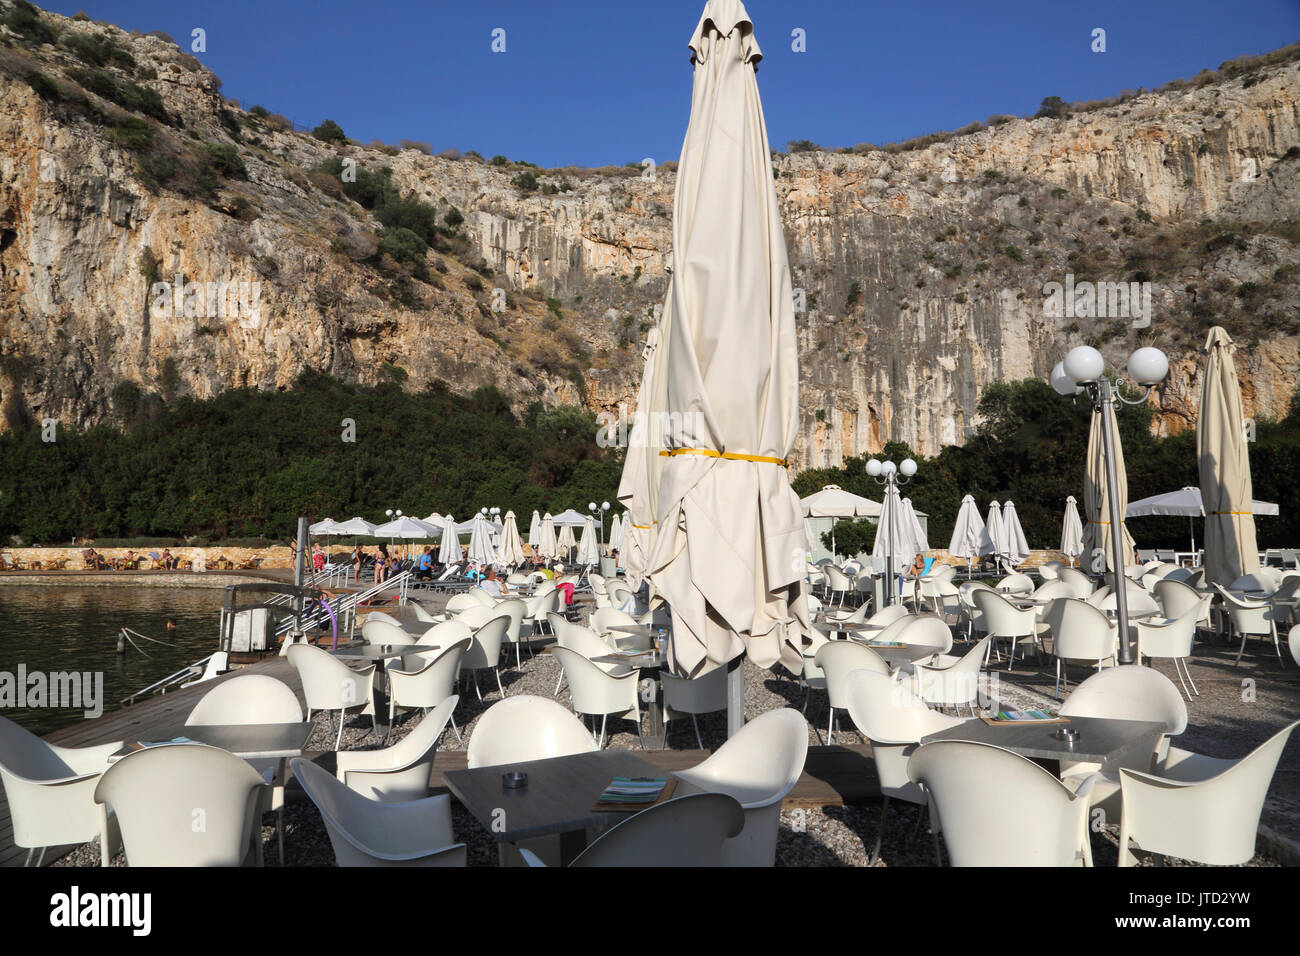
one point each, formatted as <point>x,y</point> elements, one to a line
<point>832,503</point>
<point>570,518</point>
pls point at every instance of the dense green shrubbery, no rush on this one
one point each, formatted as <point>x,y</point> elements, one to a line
<point>128,95</point>
<point>1031,448</point>
<point>851,536</point>
<point>247,463</point>
<point>330,132</point>
<point>99,51</point>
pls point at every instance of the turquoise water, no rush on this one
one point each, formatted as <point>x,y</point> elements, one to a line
<point>75,629</point>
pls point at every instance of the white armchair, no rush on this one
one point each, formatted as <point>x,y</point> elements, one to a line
<point>369,833</point>
<point>401,772</point>
<point>329,684</point>
<point>597,692</point>
<point>1201,809</point>
<point>51,792</point>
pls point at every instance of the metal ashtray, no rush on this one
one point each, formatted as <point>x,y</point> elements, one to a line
<point>514,780</point>
<point>1068,735</point>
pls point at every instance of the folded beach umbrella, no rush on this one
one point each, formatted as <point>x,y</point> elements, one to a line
<point>617,532</point>
<point>566,542</point>
<point>995,541</point>
<point>1017,546</point>
<point>918,532</point>
<point>638,489</point>
<point>968,534</point>
<point>895,533</point>
<point>589,545</point>
<point>547,546</point>
<point>449,552</point>
<point>728,554</point>
<point>480,549</point>
<point>511,548</point>
<point>1096,535</point>
<point>535,531</point>
<point>1071,531</point>
<point>1224,465</point>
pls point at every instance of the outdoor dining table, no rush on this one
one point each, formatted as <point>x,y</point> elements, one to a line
<point>380,652</point>
<point>1100,738</point>
<point>557,799</point>
<point>649,664</point>
<point>249,741</point>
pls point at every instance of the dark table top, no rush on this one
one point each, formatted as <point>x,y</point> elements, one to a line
<point>376,652</point>
<point>1099,738</point>
<point>558,799</point>
<point>250,741</point>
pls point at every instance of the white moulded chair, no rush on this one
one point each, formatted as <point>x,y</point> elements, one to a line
<point>1016,583</point>
<point>1080,632</point>
<point>369,833</point>
<point>1080,582</point>
<point>421,614</point>
<point>951,682</point>
<point>1176,599</point>
<point>526,728</point>
<point>758,767</point>
<point>997,808</point>
<point>1005,621</point>
<point>586,642</point>
<point>894,720</point>
<point>490,627</point>
<point>838,659</point>
<point>51,791</point>
<point>928,631</point>
<point>1293,641</point>
<point>1171,639</point>
<point>693,696</point>
<point>185,805</point>
<point>382,632</point>
<point>596,692</point>
<point>401,772</point>
<point>688,831</point>
<point>254,699</point>
<point>430,684</point>
<point>515,633</point>
<point>1250,619</point>
<point>1123,693</point>
<point>1201,808</point>
<point>328,684</point>
<point>440,636</point>
<point>837,583</point>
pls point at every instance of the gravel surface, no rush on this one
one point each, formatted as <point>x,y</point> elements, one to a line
<point>1221,723</point>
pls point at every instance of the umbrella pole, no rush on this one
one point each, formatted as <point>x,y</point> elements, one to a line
<point>1116,528</point>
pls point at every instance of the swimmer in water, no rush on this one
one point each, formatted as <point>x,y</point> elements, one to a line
<point>171,625</point>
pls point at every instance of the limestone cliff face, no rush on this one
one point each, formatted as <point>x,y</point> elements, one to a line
<point>921,272</point>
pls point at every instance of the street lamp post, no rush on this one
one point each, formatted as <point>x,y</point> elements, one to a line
<point>1082,373</point>
<point>891,476</point>
<point>598,511</point>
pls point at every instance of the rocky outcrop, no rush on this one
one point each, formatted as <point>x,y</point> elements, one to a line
<point>920,273</point>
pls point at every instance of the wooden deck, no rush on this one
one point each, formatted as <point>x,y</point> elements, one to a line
<point>833,776</point>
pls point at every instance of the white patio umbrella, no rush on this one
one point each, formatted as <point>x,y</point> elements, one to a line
<point>617,532</point>
<point>480,549</point>
<point>1187,502</point>
<point>995,531</point>
<point>356,528</point>
<point>327,526</point>
<point>535,530</point>
<point>1096,535</point>
<point>728,554</point>
<point>570,519</point>
<point>968,534</point>
<point>1223,463</point>
<point>547,546</point>
<point>511,548</point>
<point>407,528</point>
<point>566,542</point>
<point>589,546</point>
<point>638,488</point>
<point>1071,531</point>
<point>1017,546</point>
<point>449,552</point>
<point>918,533</point>
<point>895,537</point>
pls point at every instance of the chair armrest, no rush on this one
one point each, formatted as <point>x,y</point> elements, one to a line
<point>87,760</point>
<point>531,858</point>
<point>1184,766</point>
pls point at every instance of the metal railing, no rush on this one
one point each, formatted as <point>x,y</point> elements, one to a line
<point>171,680</point>
<point>345,606</point>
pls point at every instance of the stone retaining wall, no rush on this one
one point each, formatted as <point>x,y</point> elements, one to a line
<point>278,556</point>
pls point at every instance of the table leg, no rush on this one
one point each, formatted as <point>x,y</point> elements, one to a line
<point>735,696</point>
<point>572,843</point>
<point>656,733</point>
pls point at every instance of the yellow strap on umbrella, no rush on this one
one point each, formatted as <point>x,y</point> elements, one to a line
<point>730,456</point>
<point>1230,512</point>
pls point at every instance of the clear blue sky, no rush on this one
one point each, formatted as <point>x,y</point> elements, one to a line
<point>594,82</point>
